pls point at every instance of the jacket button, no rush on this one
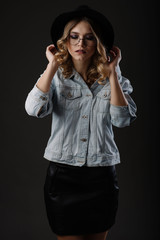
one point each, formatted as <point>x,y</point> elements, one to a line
<point>84,116</point>
<point>105,95</point>
<point>43,98</point>
<point>83,139</point>
<point>69,95</point>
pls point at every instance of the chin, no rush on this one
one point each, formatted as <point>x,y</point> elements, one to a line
<point>81,58</point>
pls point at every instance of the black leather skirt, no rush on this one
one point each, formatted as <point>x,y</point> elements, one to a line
<point>80,200</point>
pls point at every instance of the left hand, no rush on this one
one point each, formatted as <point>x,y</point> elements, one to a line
<point>116,58</point>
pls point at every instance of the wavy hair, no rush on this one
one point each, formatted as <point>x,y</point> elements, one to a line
<point>96,69</point>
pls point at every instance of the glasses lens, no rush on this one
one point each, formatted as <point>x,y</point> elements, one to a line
<point>88,40</point>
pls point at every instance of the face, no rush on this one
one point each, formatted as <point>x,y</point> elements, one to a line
<point>81,30</point>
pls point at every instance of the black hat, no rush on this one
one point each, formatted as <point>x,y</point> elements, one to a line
<point>105,29</point>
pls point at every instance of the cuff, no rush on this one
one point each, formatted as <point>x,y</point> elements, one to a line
<point>120,116</point>
<point>119,111</point>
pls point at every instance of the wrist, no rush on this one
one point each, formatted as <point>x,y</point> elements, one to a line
<point>113,73</point>
<point>53,65</point>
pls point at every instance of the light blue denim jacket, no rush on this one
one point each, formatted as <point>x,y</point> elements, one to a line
<point>82,119</point>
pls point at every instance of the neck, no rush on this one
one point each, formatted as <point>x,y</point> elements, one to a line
<point>81,68</point>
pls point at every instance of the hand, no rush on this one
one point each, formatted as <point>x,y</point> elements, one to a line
<point>116,58</point>
<point>50,54</point>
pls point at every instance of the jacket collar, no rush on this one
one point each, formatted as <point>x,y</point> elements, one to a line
<point>77,76</point>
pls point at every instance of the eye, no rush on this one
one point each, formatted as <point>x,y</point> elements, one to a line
<point>73,36</point>
<point>90,38</point>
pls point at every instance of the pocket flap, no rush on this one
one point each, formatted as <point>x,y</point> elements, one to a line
<point>71,93</point>
<point>104,94</point>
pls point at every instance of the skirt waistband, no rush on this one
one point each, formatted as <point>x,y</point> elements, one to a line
<point>63,165</point>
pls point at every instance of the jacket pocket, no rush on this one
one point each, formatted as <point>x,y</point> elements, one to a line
<point>103,101</point>
<point>70,98</point>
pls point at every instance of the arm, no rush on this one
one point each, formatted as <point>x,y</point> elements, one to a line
<point>123,114</point>
<point>39,100</point>
<point>117,95</point>
<point>45,81</point>
<point>122,107</point>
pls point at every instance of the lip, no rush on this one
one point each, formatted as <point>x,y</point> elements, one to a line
<point>80,51</point>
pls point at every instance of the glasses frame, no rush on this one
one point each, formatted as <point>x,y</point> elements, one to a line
<point>78,40</point>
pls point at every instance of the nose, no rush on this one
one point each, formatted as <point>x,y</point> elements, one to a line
<point>81,43</point>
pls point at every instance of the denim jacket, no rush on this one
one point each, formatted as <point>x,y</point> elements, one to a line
<point>82,119</point>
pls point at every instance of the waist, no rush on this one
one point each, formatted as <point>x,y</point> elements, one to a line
<point>111,168</point>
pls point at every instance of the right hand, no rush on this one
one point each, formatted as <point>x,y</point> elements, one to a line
<point>50,54</point>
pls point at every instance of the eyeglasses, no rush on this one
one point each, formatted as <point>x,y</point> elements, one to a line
<point>88,40</point>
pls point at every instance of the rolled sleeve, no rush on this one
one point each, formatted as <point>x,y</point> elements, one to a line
<point>37,93</point>
<point>38,103</point>
<point>121,116</point>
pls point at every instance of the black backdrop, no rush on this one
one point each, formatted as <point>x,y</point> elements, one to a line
<point>25,34</point>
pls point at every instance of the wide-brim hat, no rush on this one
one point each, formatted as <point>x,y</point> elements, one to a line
<point>105,29</point>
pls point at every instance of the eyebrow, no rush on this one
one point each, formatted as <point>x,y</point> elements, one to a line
<point>85,34</point>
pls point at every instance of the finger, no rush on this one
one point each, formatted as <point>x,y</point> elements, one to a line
<point>51,46</point>
<point>52,49</point>
<point>108,58</point>
<point>117,52</point>
<point>111,51</point>
<point>116,49</point>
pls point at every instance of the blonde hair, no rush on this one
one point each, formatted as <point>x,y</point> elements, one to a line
<point>96,69</point>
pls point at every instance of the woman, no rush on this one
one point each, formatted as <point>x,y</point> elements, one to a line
<point>84,90</point>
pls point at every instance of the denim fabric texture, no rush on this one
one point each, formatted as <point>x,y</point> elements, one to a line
<point>82,119</point>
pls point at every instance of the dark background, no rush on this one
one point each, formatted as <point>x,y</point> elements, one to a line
<point>25,34</point>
